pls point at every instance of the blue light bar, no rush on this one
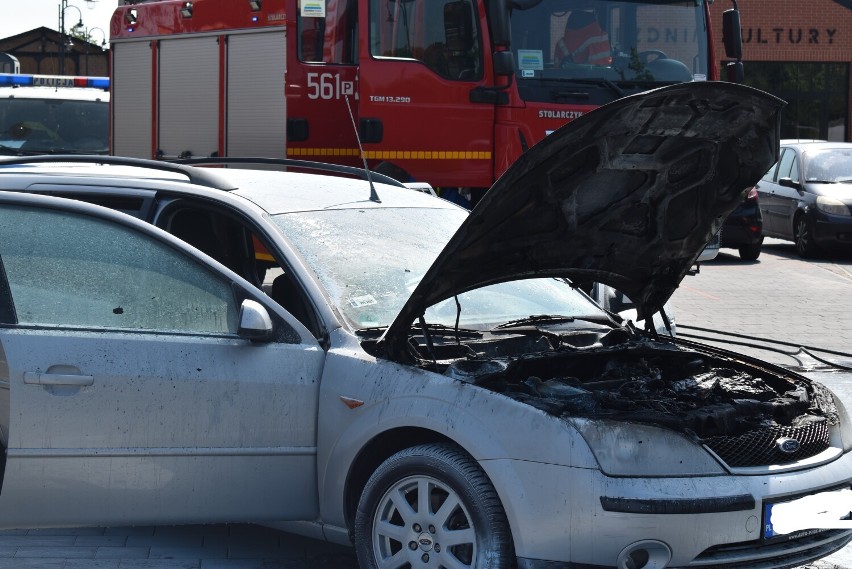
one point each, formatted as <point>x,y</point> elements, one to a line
<point>19,80</point>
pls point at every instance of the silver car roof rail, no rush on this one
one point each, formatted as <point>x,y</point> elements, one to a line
<point>293,163</point>
<point>199,176</point>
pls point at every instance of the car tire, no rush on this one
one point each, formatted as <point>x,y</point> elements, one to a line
<point>750,252</point>
<point>805,246</point>
<point>463,511</point>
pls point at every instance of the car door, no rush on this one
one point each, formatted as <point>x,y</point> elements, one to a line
<point>786,199</point>
<point>133,396</point>
<point>764,188</point>
<point>770,195</point>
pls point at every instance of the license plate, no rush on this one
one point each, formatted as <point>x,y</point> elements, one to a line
<point>808,514</point>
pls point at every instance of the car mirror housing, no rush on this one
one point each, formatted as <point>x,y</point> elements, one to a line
<point>255,323</point>
<point>789,183</point>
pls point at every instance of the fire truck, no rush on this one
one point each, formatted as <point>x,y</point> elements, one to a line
<point>449,92</point>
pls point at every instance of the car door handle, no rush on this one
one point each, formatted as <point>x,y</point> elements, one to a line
<point>36,378</point>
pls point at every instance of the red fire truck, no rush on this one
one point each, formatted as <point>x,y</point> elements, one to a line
<point>448,92</point>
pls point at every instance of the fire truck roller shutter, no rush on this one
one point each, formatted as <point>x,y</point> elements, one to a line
<point>131,104</point>
<point>189,96</point>
<point>256,106</point>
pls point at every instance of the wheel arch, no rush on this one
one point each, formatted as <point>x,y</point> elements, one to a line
<point>375,452</point>
<point>393,170</point>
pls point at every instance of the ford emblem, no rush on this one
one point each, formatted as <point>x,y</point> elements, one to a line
<point>788,446</point>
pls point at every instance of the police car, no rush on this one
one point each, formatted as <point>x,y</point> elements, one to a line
<point>52,114</point>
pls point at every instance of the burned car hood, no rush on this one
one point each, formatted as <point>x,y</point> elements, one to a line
<point>627,195</point>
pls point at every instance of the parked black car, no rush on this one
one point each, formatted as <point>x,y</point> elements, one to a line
<point>807,196</point>
<point>743,228</point>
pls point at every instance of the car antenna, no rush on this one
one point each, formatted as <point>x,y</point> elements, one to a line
<point>374,196</point>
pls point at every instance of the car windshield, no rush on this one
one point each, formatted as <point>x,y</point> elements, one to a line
<point>370,274</point>
<point>53,126</point>
<point>606,48</point>
<point>828,165</point>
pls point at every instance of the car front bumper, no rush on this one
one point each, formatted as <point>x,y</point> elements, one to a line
<point>578,517</point>
<point>832,230</point>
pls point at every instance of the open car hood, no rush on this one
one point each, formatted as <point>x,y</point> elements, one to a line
<point>627,195</point>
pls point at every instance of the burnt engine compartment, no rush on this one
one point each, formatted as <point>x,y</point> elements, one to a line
<point>697,393</point>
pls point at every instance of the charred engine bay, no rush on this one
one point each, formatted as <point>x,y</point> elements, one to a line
<point>652,382</point>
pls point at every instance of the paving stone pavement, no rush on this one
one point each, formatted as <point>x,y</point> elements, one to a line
<point>221,546</point>
<point>779,297</point>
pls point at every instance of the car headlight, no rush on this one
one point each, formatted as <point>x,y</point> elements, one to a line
<point>845,424</point>
<point>832,206</point>
<point>631,449</point>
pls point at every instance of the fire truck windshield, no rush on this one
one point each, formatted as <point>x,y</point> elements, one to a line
<point>591,52</point>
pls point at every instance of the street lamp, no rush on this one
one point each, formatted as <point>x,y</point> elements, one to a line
<point>89,37</point>
<point>88,32</point>
<point>63,7</point>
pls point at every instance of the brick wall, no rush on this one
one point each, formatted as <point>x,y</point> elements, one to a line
<point>791,30</point>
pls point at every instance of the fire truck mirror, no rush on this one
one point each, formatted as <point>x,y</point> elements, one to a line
<point>734,72</point>
<point>732,34</point>
<point>504,63</point>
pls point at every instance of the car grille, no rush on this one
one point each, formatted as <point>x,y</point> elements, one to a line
<point>760,448</point>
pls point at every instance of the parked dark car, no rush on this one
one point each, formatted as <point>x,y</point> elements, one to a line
<point>743,228</point>
<point>807,196</point>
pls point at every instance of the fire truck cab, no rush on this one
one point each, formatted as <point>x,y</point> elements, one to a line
<point>449,92</point>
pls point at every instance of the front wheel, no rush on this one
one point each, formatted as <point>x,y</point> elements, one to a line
<point>432,506</point>
<point>805,246</point>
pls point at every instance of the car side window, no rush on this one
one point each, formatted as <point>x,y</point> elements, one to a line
<point>770,174</point>
<point>787,161</point>
<point>71,269</point>
<point>794,168</point>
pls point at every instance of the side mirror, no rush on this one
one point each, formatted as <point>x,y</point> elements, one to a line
<point>504,63</point>
<point>789,183</point>
<point>732,34</point>
<point>734,72</point>
<point>498,16</point>
<point>255,323</point>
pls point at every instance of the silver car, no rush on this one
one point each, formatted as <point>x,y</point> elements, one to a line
<point>375,366</point>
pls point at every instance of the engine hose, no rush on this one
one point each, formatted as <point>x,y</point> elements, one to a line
<point>806,349</point>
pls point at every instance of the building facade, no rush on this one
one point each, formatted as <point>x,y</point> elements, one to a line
<point>800,51</point>
<point>40,51</point>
